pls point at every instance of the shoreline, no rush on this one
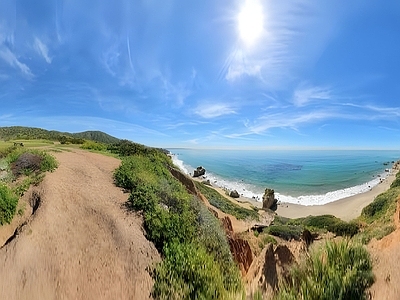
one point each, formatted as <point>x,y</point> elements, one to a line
<point>346,209</point>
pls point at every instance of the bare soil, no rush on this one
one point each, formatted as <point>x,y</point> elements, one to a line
<point>81,243</point>
<point>385,255</point>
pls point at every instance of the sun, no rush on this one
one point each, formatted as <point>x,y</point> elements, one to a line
<point>250,22</point>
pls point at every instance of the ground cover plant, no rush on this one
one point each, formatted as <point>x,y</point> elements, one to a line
<point>21,167</point>
<point>197,263</point>
<point>376,220</point>
<point>338,270</point>
<point>226,206</point>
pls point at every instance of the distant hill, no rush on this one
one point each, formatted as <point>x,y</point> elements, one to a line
<point>31,133</point>
<point>97,136</point>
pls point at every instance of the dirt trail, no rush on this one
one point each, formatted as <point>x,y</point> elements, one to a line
<point>81,243</point>
<point>385,254</point>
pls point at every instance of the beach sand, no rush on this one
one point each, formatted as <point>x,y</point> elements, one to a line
<point>346,209</point>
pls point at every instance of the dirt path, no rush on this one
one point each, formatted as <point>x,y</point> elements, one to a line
<point>385,254</point>
<point>81,243</point>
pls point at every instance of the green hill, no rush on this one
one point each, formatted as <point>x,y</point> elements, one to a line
<point>31,133</point>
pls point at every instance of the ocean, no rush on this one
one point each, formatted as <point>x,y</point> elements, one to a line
<point>302,177</point>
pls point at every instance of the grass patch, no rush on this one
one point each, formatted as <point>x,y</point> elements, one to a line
<point>338,270</point>
<point>225,205</point>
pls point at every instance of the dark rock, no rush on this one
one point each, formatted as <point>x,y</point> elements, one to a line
<point>269,201</point>
<point>234,194</point>
<point>200,171</point>
<point>307,237</point>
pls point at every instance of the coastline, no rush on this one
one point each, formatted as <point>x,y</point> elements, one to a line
<point>346,209</point>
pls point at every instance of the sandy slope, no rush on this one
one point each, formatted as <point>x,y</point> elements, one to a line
<point>81,244</point>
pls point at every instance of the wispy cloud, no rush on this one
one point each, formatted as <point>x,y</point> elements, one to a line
<point>10,58</point>
<point>209,110</point>
<point>305,95</point>
<point>42,50</point>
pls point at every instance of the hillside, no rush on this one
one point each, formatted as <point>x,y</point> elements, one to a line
<point>29,133</point>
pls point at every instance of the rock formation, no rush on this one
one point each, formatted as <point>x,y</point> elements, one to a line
<point>200,171</point>
<point>234,194</point>
<point>269,201</point>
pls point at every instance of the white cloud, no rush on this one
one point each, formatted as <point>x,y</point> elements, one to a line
<point>305,95</point>
<point>42,50</point>
<point>212,110</point>
<point>10,58</point>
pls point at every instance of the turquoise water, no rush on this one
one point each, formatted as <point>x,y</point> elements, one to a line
<point>305,177</point>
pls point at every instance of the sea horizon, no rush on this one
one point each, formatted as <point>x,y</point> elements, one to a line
<point>306,177</point>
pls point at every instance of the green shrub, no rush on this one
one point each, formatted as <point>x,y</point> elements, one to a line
<point>286,232</point>
<point>339,270</point>
<point>8,204</point>
<point>197,260</point>
<point>396,182</point>
<point>225,205</point>
<point>327,222</point>
<point>188,272</point>
<point>380,205</point>
<point>91,145</point>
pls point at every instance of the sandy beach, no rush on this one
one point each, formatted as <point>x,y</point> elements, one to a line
<point>346,209</point>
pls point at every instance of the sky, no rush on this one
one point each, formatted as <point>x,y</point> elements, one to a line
<point>260,74</point>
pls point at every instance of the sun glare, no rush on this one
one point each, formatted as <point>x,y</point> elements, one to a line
<point>251,21</point>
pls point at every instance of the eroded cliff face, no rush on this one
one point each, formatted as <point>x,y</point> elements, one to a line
<point>272,266</point>
<point>240,248</point>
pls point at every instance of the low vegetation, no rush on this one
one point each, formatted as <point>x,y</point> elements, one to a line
<point>376,220</point>
<point>197,263</point>
<point>292,228</point>
<point>226,206</point>
<point>8,204</point>
<point>21,168</point>
<point>338,270</point>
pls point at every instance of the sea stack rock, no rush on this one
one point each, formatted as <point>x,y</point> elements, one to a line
<point>269,201</point>
<point>200,171</point>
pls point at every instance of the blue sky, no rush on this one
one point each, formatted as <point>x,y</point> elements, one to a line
<point>206,73</point>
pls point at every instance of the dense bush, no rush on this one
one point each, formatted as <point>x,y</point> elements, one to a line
<point>327,222</point>
<point>286,232</point>
<point>91,145</point>
<point>188,263</point>
<point>225,205</point>
<point>339,270</point>
<point>197,261</point>
<point>8,204</point>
